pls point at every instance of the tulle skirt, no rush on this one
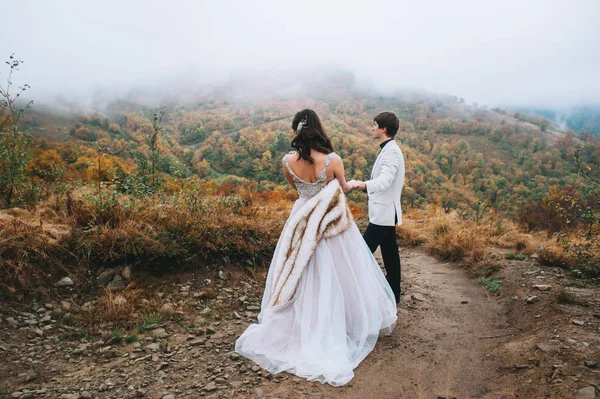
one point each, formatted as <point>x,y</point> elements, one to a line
<point>341,306</point>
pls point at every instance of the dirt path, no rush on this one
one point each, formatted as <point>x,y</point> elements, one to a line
<point>441,346</point>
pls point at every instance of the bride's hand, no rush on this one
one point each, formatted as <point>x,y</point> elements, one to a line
<point>349,186</point>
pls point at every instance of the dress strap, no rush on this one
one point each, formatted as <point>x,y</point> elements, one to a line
<point>322,175</point>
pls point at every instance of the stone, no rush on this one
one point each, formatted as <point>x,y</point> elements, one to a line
<point>167,308</point>
<point>211,386</point>
<point>153,347</point>
<point>105,277</point>
<point>117,283</point>
<point>86,395</point>
<point>64,282</point>
<point>119,300</point>
<point>547,348</point>
<point>126,273</point>
<point>198,342</point>
<point>30,376</point>
<point>13,323</point>
<point>80,349</point>
<point>159,333</point>
<point>580,291</point>
<point>586,393</point>
<point>578,322</point>
<point>531,299</point>
<point>140,393</point>
<point>417,297</point>
<point>162,366</point>
<point>542,287</point>
<point>590,363</point>
<point>98,344</point>
<point>169,396</point>
<point>66,306</point>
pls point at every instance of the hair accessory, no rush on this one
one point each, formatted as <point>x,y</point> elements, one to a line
<point>302,124</point>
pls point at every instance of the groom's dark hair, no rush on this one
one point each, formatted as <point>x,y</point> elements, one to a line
<point>390,121</point>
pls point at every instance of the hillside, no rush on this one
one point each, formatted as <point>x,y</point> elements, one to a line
<point>456,153</point>
<point>581,118</point>
<point>108,177</point>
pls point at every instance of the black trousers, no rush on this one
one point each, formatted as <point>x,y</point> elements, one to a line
<point>385,236</point>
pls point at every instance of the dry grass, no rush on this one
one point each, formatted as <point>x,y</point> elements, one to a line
<point>69,234</point>
<point>453,238</point>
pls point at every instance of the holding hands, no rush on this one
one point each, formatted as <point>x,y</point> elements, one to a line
<point>356,185</point>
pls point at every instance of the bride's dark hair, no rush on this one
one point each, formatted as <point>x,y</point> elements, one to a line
<point>311,135</point>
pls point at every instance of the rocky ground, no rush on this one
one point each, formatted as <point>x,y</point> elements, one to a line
<point>173,337</point>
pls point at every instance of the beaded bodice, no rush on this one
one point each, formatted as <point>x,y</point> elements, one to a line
<point>305,189</point>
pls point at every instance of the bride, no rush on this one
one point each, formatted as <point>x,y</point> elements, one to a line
<point>326,300</point>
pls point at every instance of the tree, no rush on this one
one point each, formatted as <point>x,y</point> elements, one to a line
<point>14,143</point>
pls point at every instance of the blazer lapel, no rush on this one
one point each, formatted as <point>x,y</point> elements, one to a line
<point>387,146</point>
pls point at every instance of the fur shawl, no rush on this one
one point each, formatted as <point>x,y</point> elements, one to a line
<point>323,216</point>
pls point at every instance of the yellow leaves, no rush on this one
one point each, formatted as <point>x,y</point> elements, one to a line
<point>45,163</point>
<point>266,161</point>
<point>92,166</point>
<point>114,128</point>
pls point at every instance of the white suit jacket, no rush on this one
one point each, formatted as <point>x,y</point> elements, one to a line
<point>385,187</point>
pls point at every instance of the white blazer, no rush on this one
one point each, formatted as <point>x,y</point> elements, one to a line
<point>385,187</point>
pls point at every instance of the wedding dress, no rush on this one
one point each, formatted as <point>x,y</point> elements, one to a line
<point>332,300</point>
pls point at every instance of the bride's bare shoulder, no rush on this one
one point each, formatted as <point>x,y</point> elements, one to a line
<point>336,158</point>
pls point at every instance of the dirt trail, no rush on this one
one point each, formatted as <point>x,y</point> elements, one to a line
<point>443,344</point>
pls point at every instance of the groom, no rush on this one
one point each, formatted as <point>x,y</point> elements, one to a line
<point>384,190</point>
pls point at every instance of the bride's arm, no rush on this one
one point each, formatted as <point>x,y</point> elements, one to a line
<point>287,175</point>
<point>337,167</point>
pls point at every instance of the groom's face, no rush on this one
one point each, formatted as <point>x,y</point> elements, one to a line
<point>378,132</point>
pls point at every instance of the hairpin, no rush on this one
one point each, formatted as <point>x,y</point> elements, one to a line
<point>302,124</point>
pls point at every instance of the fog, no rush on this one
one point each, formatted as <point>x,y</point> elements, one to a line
<point>534,53</point>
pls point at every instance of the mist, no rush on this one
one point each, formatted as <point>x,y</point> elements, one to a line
<point>536,53</point>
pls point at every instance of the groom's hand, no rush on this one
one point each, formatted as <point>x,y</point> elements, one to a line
<point>359,185</point>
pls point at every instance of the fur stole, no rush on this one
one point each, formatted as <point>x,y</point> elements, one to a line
<point>323,216</point>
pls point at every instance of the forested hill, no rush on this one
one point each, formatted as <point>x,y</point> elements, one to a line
<point>580,119</point>
<point>456,154</point>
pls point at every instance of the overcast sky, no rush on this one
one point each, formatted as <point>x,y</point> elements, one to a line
<point>509,52</point>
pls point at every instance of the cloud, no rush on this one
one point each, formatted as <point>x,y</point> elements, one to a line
<point>511,52</point>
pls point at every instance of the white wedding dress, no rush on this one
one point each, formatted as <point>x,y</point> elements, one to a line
<point>340,307</point>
